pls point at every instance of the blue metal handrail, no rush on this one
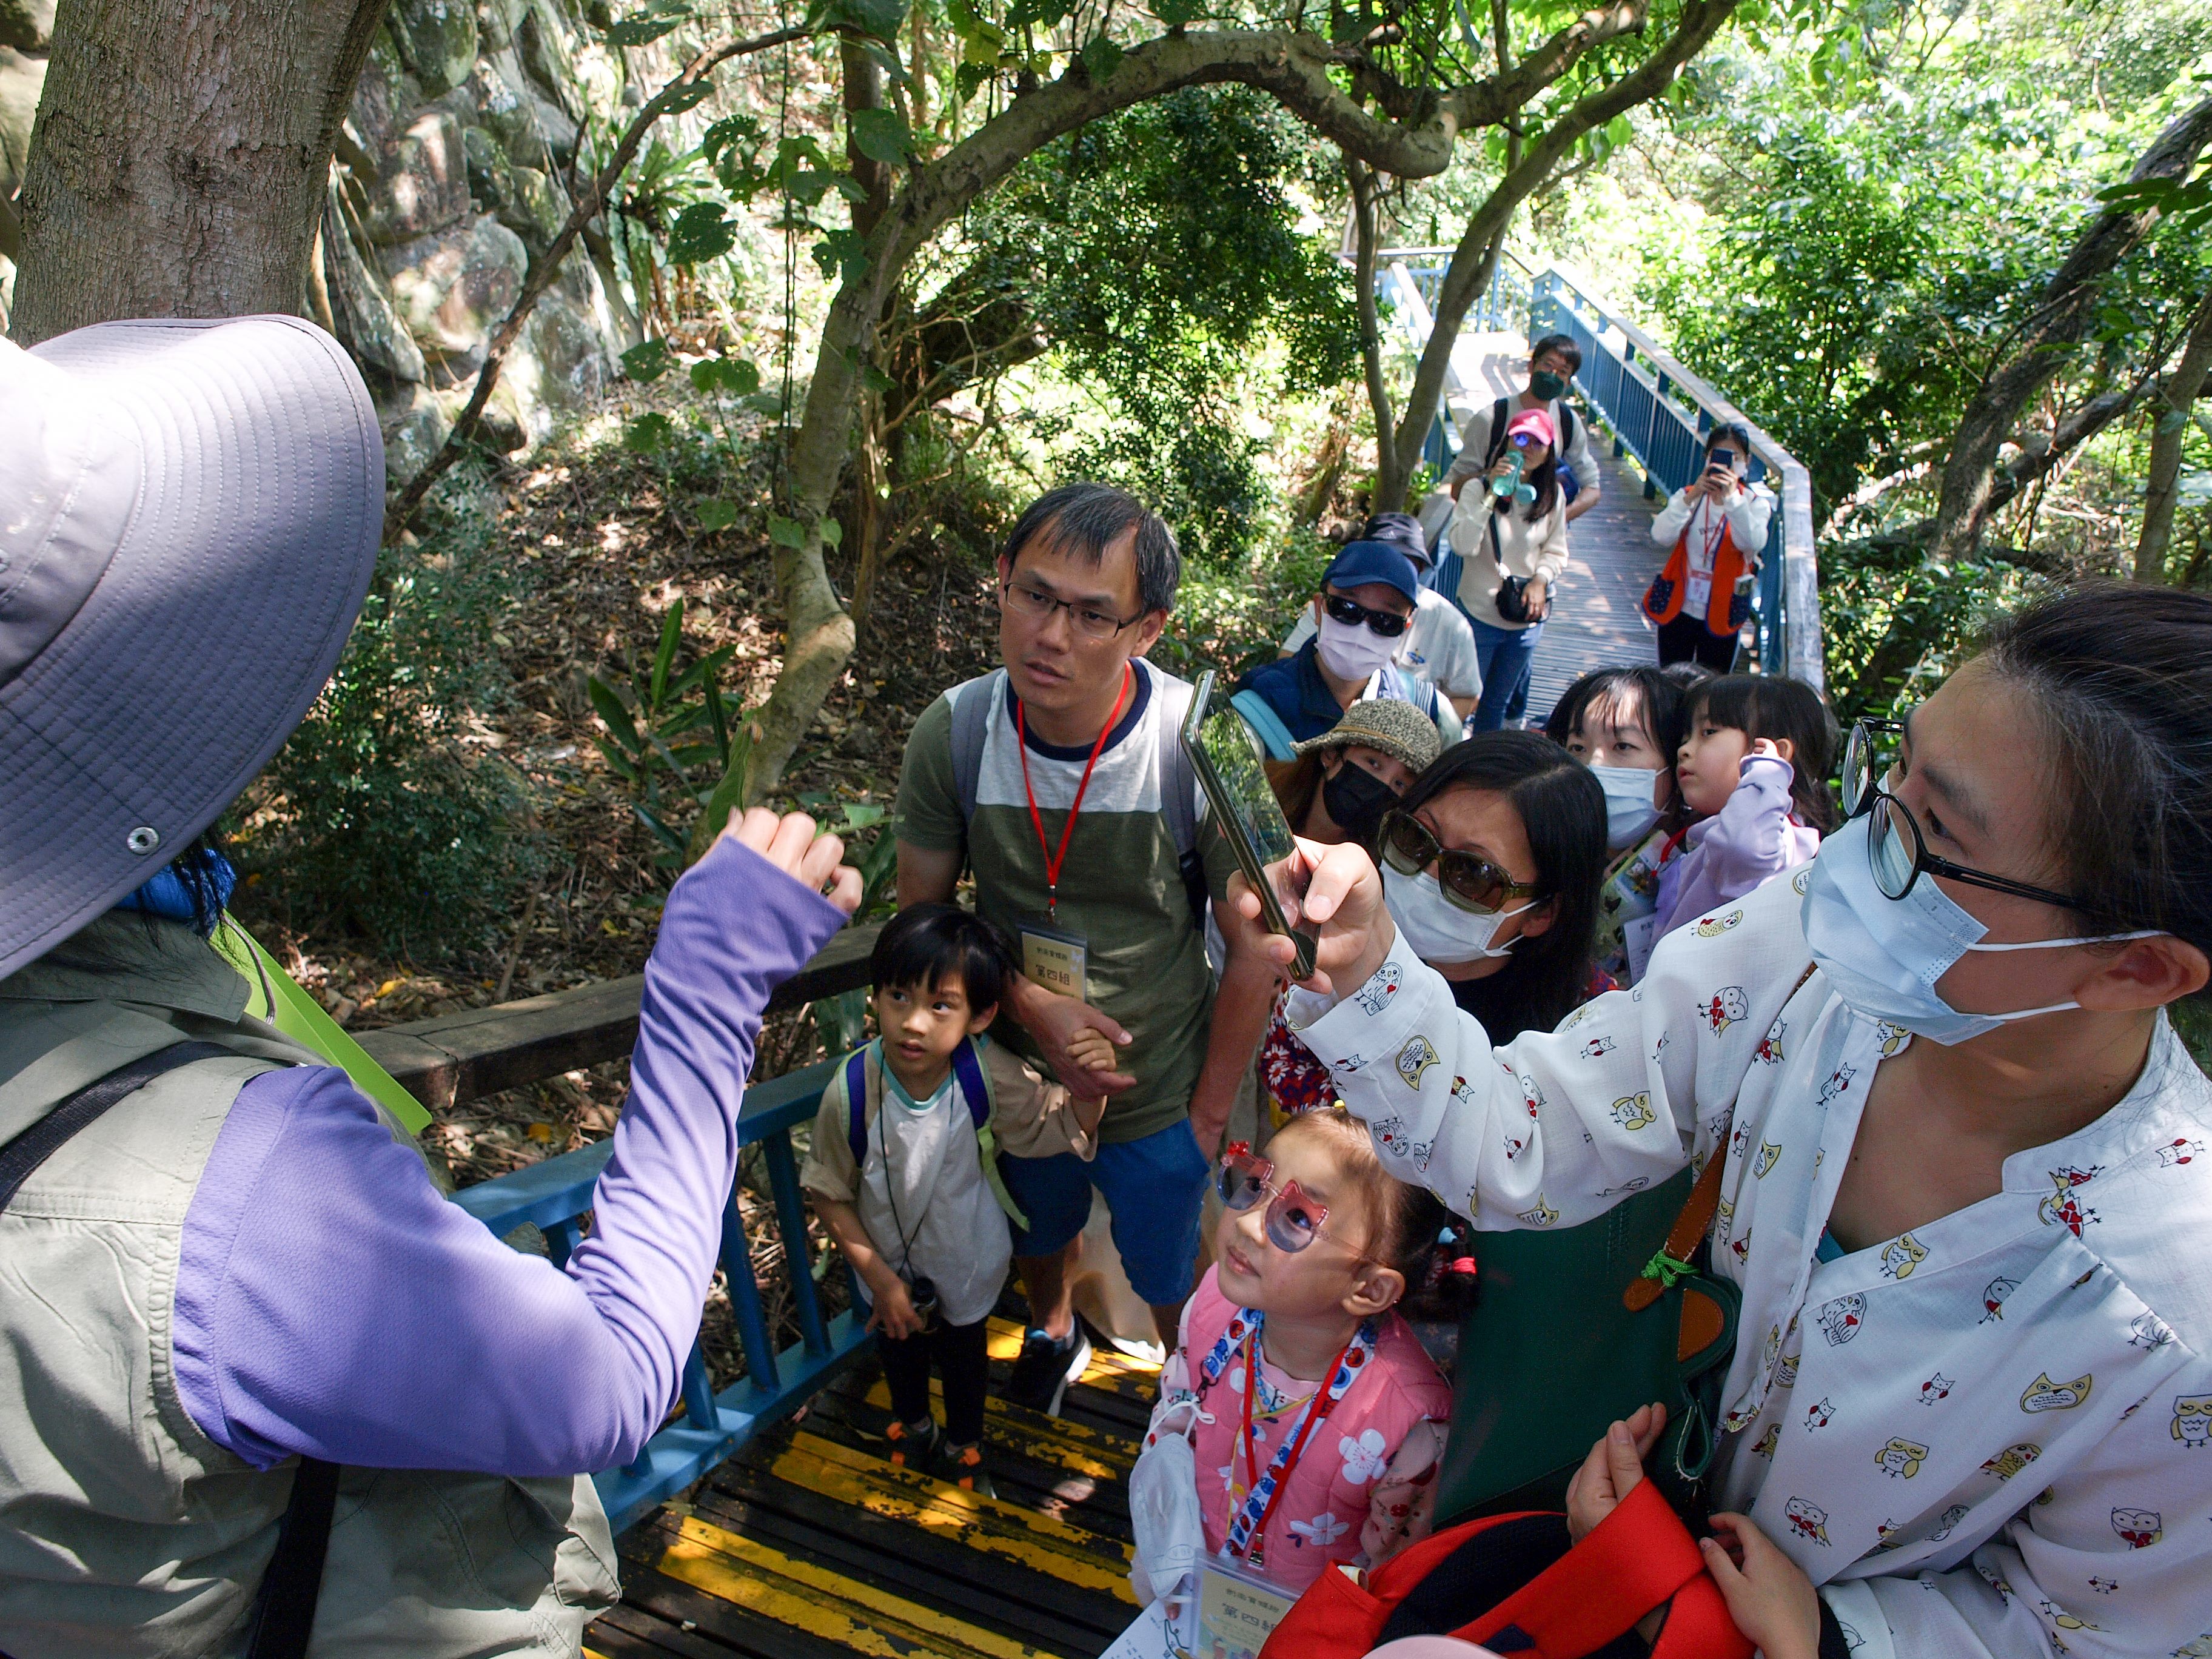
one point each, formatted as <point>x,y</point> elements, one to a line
<point>556,1197</point>
<point>1659,413</point>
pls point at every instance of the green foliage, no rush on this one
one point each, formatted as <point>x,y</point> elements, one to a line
<point>1894,623</point>
<point>1162,255</point>
<point>1232,616</point>
<point>377,807</point>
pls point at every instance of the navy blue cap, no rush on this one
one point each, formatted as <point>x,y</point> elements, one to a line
<point>1373,561</point>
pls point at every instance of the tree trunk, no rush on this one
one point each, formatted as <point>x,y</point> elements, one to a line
<point>2040,349</point>
<point>179,159</point>
<point>1366,234</point>
<point>2177,401</point>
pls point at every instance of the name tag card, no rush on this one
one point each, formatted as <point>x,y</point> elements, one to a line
<point>1236,1611</point>
<point>1055,960</point>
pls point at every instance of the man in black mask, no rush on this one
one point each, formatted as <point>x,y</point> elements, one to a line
<point>1554,362</point>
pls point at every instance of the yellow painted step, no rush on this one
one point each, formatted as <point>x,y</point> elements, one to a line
<point>1008,1532</point>
<point>824,1603</point>
<point>1052,1442</point>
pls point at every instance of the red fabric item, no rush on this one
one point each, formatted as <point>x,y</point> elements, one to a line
<point>1638,1557</point>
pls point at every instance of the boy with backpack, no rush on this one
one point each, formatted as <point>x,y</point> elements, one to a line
<point>902,1168</point>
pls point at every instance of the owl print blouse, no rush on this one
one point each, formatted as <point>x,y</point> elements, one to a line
<point>1991,1435</point>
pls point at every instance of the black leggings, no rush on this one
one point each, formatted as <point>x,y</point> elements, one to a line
<point>1687,636</point>
<point>962,1355</point>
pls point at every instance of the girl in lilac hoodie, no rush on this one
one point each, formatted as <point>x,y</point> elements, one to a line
<point>1753,772</point>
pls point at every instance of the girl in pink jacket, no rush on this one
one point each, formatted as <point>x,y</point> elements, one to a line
<point>1316,1416</point>
<point>1753,772</point>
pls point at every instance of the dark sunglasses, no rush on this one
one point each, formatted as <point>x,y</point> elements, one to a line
<point>1387,624</point>
<point>1293,1222</point>
<point>1471,882</point>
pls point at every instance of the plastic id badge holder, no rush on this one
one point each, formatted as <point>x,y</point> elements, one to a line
<point>1236,1611</point>
<point>1054,958</point>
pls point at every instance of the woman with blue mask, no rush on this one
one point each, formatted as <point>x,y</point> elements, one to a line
<point>1960,1163</point>
<point>1624,724</point>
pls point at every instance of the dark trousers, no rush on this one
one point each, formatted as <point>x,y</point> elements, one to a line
<point>1687,636</point>
<point>962,1357</point>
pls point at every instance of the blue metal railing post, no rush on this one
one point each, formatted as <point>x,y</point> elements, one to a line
<point>791,1219</point>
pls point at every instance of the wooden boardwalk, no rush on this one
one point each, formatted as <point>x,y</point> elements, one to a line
<point>1594,622</point>
<point>810,1545</point>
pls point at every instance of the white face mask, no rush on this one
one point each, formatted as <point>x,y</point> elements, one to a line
<point>1628,809</point>
<point>1437,930</point>
<point>1354,651</point>
<point>1883,955</point>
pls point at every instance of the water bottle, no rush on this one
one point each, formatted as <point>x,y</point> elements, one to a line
<point>1510,482</point>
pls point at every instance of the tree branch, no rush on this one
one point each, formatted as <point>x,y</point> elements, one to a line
<point>2177,396</point>
<point>544,269</point>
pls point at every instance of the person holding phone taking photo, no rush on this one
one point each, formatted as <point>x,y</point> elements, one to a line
<point>1717,526</point>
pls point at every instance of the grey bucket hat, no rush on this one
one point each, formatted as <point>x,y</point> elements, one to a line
<point>189,518</point>
<point>1386,726</point>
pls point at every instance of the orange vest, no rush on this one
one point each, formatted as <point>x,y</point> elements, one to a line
<point>1663,600</point>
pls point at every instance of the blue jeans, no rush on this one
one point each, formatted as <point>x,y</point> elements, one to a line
<point>1155,1186</point>
<point>1505,655</point>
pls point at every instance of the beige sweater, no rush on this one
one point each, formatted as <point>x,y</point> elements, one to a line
<point>1526,550</point>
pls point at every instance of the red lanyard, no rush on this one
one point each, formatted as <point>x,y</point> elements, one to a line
<point>1319,1404</point>
<point>1052,861</point>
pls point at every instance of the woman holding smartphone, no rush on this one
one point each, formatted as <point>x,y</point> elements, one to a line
<point>1717,526</point>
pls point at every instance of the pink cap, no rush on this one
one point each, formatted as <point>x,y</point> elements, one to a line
<point>1537,424</point>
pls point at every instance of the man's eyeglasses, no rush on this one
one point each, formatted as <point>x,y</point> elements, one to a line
<point>1471,882</point>
<point>1387,624</point>
<point>1034,605</point>
<point>1293,1220</point>
<point>1895,847</point>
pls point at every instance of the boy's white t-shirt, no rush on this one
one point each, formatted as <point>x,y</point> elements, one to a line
<point>926,1205</point>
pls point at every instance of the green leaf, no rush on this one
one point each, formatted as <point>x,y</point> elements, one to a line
<point>733,375</point>
<point>647,362</point>
<point>786,532</point>
<point>648,433</point>
<point>729,794</point>
<point>716,515</point>
<point>880,18</point>
<point>1176,13</point>
<point>653,821</point>
<point>1100,57</point>
<point>833,533</point>
<point>671,634</point>
<point>716,713</point>
<point>842,255</point>
<point>881,135</point>
<point>769,404</point>
<point>608,708</point>
<point>862,815</point>
<point>969,78</point>
<point>702,231</point>
<point>643,27</point>
<point>617,761</point>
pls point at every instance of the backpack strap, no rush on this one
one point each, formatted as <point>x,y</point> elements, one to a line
<point>1497,420</point>
<point>1266,724</point>
<point>971,721</point>
<point>20,1158</point>
<point>856,1105</point>
<point>975,1089</point>
<point>1178,782</point>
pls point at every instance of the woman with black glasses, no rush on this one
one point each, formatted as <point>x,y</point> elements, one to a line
<point>1954,1157</point>
<point>1490,866</point>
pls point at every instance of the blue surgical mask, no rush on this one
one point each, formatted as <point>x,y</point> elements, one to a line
<point>1883,955</point>
<point>1628,809</point>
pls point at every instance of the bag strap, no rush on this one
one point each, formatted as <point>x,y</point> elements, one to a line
<point>971,719</point>
<point>284,1607</point>
<point>1671,1261</point>
<point>856,1106</point>
<point>1266,724</point>
<point>1497,419</point>
<point>1640,1557</point>
<point>20,1158</point>
<point>972,1089</point>
<point>1497,557</point>
<point>1178,782</point>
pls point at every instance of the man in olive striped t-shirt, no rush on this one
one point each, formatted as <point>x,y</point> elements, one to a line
<point>1058,784</point>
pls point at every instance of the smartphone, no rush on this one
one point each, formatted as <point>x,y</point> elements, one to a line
<point>1227,758</point>
<point>1722,458</point>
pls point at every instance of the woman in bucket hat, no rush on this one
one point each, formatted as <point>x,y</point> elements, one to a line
<point>1344,781</point>
<point>269,1392</point>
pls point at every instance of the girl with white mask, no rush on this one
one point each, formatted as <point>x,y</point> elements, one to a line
<point>1624,724</point>
<point>1490,864</point>
<point>1961,1163</point>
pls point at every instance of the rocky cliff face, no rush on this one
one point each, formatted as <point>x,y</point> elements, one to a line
<point>448,179</point>
<point>447,182</point>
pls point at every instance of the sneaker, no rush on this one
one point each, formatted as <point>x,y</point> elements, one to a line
<point>913,1444</point>
<point>1046,1368</point>
<point>963,1467</point>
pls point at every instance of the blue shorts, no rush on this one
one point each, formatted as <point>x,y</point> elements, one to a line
<point>1155,1187</point>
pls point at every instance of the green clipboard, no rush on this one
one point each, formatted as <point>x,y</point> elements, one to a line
<point>301,1019</point>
